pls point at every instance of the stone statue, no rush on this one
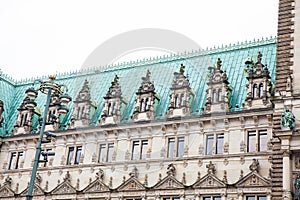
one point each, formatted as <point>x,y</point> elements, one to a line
<point>254,166</point>
<point>297,186</point>
<point>288,119</point>
<point>211,168</point>
<point>171,169</point>
<point>134,173</point>
<point>100,174</point>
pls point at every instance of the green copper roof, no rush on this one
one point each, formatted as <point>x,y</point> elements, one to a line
<point>162,71</point>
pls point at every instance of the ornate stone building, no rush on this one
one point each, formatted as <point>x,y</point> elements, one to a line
<point>213,124</point>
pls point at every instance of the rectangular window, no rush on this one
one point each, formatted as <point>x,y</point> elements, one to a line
<point>135,150</point>
<point>180,146</point>
<point>263,140</point>
<point>171,198</point>
<point>256,197</point>
<point>102,153</point>
<point>106,152</point>
<point>144,149</point>
<point>78,155</point>
<point>70,155</point>
<point>171,146</point>
<point>110,152</point>
<point>257,141</point>
<point>212,198</point>
<point>220,144</point>
<point>74,156</point>
<point>252,141</point>
<point>209,144</point>
<point>139,149</point>
<point>15,160</point>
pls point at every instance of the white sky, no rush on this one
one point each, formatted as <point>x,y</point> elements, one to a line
<point>42,37</point>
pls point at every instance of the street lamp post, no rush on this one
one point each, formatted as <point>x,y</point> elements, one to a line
<point>50,88</point>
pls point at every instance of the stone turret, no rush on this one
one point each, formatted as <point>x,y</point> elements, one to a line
<point>112,104</point>
<point>144,103</point>
<point>259,85</point>
<point>219,92</point>
<point>83,107</point>
<point>180,95</point>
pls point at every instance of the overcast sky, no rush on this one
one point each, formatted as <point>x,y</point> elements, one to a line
<point>43,37</point>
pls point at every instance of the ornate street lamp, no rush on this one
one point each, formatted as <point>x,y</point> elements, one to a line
<point>50,88</point>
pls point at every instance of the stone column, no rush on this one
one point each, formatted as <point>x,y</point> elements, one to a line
<point>286,171</point>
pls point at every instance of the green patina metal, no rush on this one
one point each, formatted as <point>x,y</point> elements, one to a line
<point>162,69</point>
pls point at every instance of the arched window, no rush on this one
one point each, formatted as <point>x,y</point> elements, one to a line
<point>261,90</point>
<point>214,96</point>
<point>254,91</point>
<point>176,101</point>
<point>141,105</point>
<point>78,112</point>
<point>109,109</point>
<point>82,112</point>
<point>146,104</point>
<point>220,95</point>
<point>182,99</point>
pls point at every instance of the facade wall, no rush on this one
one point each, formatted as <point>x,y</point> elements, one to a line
<point>235,157</point>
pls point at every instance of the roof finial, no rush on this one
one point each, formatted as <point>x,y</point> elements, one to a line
<point>182,67</point>
<point>259,57</point>
<point>219,64</point>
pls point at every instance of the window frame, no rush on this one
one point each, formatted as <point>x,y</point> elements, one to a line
<point>214,137</point>
<point>140,154</point>
<point>257,135</point>
<point>256,196</point>
<point>15,160</point>
<point>108,152</point>
<point>211,197</point>
<point>73,160</point>
<point>175,151</point>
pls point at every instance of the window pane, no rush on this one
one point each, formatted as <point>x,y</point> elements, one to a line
<point>209,144</point>
<point>144,149</point>
<point>70,155</point>
<point>180,147</point>
<point>262,198</point>
<point>171,145</point>
<point>78,155</point>
<point>263,140</point>
<point>102,153</point>
<point>135,150</point>
<point>250,198</point>
<point>251,141</point>
<point>110,152</point>
<point>166,198</point>
<point>206,198</point>
<point>217,198</point>
<point>220,143</point>
<point>20,155</point>
<point>12,162</point>
<point>176,198</point>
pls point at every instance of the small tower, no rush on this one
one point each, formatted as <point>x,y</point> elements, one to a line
<point>112,104</point>
<point>83,107</point>
<point>145,99</point>
<point>53,119</point>
<point>180,95</point>
<point>25,115</point>
<point>259,85</point>
<point>218,93</point>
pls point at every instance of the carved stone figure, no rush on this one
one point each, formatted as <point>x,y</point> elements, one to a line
<point>100,174</point>
<point>211,168</point>
<point>171,170</point>
<point>254,166</point>
<point>134,173</point>
<point>288,119</point>
<point>297,186</point>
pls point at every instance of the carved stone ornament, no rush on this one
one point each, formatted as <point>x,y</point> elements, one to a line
<point>254,166</point>
<point>211,169</point>
<point>171,170</point>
